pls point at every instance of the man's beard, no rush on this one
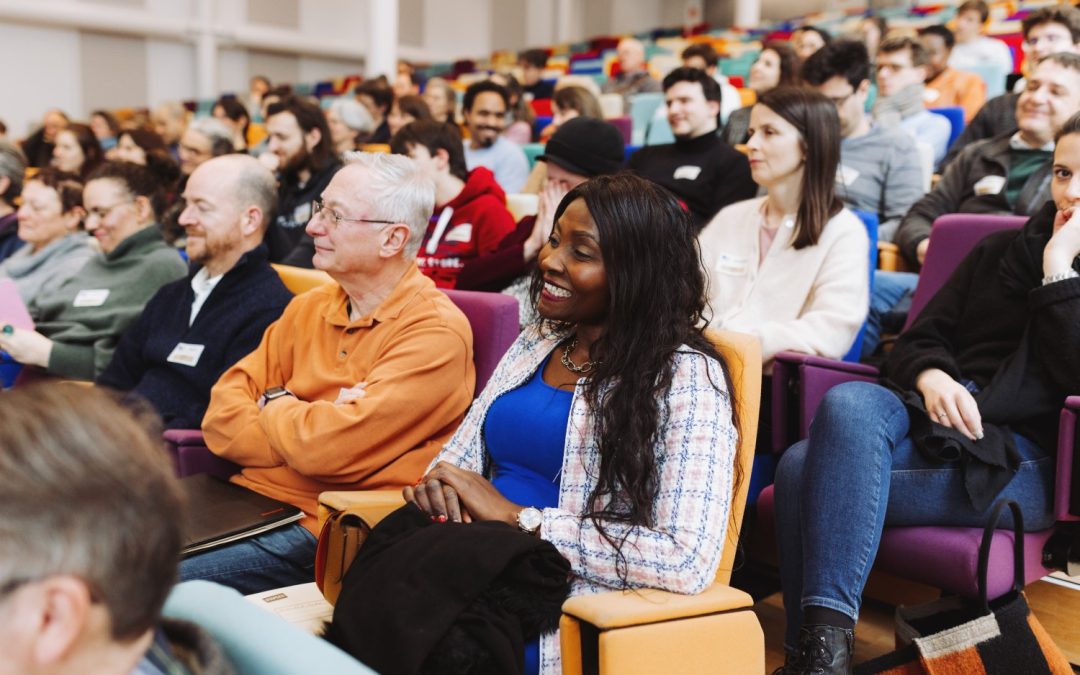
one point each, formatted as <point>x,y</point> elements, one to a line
<point>298,162</point>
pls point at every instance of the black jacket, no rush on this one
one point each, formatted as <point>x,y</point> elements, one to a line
<point>448,598</point>
<point>955,192</point>
<point>996,117</point>
<point>705,173</point>
<point>993,322</point>
<point>230,325</point>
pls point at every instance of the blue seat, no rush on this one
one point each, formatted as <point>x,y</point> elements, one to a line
<point>256,641</point>
<point>955,115</point>
<point>993,75</point>
<point>540,123</point>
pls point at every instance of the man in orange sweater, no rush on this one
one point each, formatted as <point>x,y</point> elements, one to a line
<point>947,86</point>
<point>359,383</point>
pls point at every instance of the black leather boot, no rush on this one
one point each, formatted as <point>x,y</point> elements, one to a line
<point>822,650</point>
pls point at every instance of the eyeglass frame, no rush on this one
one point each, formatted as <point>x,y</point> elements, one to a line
<point>317,207</point>
<point>102,214</point>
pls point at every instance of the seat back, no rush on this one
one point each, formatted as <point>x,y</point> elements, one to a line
<point>642,108</point>
<point>955,115</point>
<point>870,220</point>
<point>951,239</point>
<point>742,354</point>
<point>300,280</point>
<point>520,205</point>
<point>493,318</point>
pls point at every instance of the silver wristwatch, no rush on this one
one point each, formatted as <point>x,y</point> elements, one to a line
<point>529,520</point>
<point>1060,276</point>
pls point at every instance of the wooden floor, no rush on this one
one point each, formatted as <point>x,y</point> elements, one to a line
<point>1057,608</point>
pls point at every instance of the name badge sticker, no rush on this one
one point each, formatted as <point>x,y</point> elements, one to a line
<point>302,214</point>
<point>459,233</point>
<point>91,297</point>
<point>732,265</point>
<point>186,354</point>
<point>989,185</point>
<point>687,172</point>
<point>846,175</point>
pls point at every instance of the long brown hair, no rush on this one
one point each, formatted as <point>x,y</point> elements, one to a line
<point>818,124</point>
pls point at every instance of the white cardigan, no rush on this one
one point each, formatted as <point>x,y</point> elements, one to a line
<point>812,300</point>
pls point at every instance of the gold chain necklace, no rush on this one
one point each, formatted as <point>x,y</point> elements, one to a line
<point>584,368</point>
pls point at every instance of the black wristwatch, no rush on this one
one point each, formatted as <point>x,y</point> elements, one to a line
<point>272,393</point>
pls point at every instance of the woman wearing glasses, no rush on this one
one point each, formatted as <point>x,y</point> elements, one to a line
<point>79,323</point>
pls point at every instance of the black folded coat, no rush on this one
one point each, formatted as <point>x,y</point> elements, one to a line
<point>425,597</point>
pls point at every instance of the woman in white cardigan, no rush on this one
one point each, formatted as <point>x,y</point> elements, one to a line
<point>791,267</point>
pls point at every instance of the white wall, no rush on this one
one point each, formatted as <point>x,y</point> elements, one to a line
<point>62,63</point>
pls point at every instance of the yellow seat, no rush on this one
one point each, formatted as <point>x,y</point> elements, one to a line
<point>299,280</point>
<point>521,205</point>
<point>748,97</point>
<point>652,631</point>
<point>889,258</point>
<point>376,147</point>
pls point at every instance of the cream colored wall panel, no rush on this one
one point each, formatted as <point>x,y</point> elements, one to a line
<point>50,79</point>
<point>170,71</point>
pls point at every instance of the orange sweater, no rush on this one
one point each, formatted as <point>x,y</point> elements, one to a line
<point>956,87</point>
<point>415,354</point>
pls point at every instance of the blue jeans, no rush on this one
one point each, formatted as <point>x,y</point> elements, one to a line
<point>281,557</point>
<point>859,471</point>
<point>889,288</point>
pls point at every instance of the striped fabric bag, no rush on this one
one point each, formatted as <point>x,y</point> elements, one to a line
<point>954,636</point>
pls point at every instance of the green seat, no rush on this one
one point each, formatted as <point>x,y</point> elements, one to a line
<point>532,151</point>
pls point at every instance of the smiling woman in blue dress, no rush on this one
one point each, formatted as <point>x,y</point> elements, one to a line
<point>607,428</point>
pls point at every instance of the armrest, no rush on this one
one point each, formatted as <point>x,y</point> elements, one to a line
<point>371,505</point>
<point>1065,507</point>
<point>618,609</point>
<point>799,381</point>
<point>179,437</point>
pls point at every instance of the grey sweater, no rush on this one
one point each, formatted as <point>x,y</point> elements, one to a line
<point>880,173</point>
<point>40,273</point>
<point>86,315</point>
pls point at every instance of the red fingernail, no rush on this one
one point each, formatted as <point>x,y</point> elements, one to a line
<point>441,519</point>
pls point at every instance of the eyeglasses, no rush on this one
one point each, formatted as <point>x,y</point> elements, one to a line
<point>102,214</point>
<point>317,208</point>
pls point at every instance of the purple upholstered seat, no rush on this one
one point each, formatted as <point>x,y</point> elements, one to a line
<point>944,557</point>
<point>493,318</point>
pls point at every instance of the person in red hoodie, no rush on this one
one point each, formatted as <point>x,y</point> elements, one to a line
<point>470,217</point>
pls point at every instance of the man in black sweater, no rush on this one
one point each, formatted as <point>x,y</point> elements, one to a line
<point>705,173</point>
<point>195,328</point>
<point>301,141</point>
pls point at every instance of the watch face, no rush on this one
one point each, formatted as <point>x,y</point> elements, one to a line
<point>530,519</point>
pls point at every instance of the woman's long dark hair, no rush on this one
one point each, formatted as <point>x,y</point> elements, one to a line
<point>657,301</point>
<point>818,124</point>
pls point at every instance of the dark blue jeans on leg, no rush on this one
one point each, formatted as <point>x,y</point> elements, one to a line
<point>857,472</point>
<point>281,557</point>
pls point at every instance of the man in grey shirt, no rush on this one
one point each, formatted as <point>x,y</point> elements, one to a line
<point>879,168</point>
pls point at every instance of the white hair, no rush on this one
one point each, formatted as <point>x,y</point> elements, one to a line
<point>398,191</point>
<point>353,114</point>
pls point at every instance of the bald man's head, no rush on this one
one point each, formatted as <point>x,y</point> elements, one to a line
<point>631,55</point>
<point>230,200</point>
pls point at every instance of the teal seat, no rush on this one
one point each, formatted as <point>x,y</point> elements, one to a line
<point>532,151</point>
<point>993,75</point>
<point>256,641</point>
<point>642,109</point>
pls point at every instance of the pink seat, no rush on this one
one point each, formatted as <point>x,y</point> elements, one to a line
<point>493,318</point>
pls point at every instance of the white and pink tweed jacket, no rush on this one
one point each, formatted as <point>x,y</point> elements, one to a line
<point>695,453</point>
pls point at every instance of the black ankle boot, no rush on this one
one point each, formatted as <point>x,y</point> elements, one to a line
<point>822,650</point>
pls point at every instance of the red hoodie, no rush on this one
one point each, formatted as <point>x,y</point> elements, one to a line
<point>476,220</point>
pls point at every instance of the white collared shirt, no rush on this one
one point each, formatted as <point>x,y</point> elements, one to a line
<point>203,285</point>
<point>1017,142</point>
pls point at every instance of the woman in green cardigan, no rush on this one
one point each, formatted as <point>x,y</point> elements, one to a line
<point>79,323</point>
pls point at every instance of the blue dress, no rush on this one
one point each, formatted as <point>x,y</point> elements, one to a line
<point>525,433</point>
